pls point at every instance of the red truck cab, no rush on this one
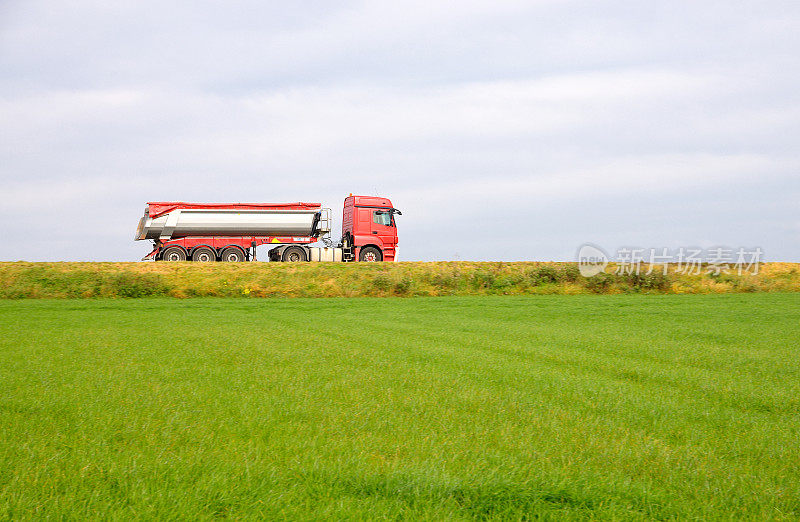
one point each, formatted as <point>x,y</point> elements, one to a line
<point>368,228</point>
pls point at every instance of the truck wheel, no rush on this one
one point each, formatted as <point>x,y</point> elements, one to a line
<point>204,255</point>
<point>233,255</point>
<point>370,255</point>
<point>173,254</point>
<point>294,254</point>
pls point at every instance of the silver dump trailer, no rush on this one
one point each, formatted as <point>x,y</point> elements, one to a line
<point>165,222</point>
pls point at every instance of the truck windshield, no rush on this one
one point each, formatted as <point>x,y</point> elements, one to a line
<point>382,218</point>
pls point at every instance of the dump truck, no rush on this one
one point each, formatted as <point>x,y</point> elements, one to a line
<point>208,232</point>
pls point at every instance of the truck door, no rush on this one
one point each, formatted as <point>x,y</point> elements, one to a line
<point>383,226</point>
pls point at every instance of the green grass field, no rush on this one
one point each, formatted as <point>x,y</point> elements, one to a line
<point>626,407</point>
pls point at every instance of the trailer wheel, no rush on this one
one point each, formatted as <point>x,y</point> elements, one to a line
<point>370,255</point>
<point>173,253</point>
<point>204,255</point>
<point>233,255</point>
<point>294,254</point>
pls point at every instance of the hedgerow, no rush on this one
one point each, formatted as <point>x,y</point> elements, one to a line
<point>133,280</point>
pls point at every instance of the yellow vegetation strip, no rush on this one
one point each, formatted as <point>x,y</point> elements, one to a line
<point>70,280</point>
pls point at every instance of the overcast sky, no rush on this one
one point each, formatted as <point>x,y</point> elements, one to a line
<point>502,130</point>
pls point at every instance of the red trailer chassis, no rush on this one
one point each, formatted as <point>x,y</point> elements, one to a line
<point>220,244</point>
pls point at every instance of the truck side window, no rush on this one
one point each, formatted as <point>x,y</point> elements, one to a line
<point>382,218</point>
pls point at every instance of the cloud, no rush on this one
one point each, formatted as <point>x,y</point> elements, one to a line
<point>281,126</point>
<point>478,113</point>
